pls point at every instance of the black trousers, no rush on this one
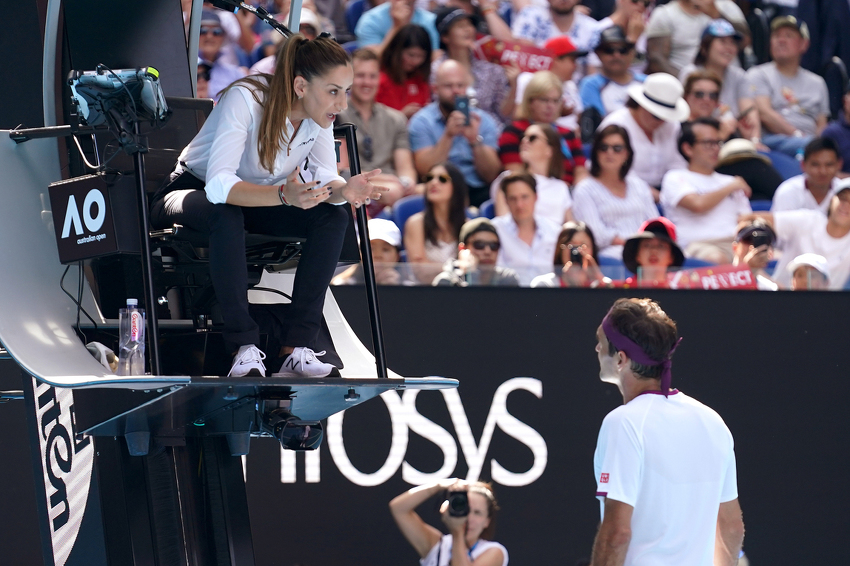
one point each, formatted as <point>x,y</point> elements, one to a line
<point>183,201</point>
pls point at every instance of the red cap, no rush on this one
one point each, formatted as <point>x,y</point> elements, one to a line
<point>563,45</point>
<point>668,226</point>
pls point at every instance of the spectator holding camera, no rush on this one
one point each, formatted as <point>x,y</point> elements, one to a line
<point>450,130</point>
<point>470,526</point>
<point>476,263</point>
<point>753,247</point>
<point>575,260</point>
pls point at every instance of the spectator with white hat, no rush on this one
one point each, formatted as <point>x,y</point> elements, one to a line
<point>385,240</point>
<point>652,117</point>
<point>809,272</point>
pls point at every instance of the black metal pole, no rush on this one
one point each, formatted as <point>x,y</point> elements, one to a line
<point>147,272</point>
<point>349,131</point>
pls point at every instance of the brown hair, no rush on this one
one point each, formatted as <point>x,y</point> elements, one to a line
<point>611,130</point>
<point>407,36</point>
<point>517,177</point>
<point>364,55</point>
<point>299,57</point>
<point>556,162</point>
<point>702,75</point>
<point>486,489</point>
<point>567,232</point>
<point>645,324</point>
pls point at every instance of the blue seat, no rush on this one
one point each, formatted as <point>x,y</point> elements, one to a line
<point>487,209</point>
<point>760,205</point>
<point>406,207</point>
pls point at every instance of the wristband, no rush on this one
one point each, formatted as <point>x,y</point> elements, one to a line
<point>282,198</point>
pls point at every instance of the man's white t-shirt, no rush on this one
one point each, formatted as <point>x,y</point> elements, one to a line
<point>793,195</point>
<point>718,223</point>
<point>804,231</point>
<point>673,460</point>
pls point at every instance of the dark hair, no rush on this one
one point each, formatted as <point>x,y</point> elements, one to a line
<point>704,45</point>
<point>407,36</point>
<point>821,144</point>
<point>516,177</point>
<point>486,489</point>
<point>567,232</point>
<point>632,103</point>
<point>299,57</point>
<point>702,75</point>
<point>556,162</point>
<point>364,55</point>
<point>457,205</point>
<point>645,324</point>
<point>611,130</point>
<point>687,135</point>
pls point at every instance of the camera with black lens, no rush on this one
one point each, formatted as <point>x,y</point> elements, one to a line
<point>760,238</point>
<point>458,503</point>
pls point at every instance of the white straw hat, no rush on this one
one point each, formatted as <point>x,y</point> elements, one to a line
<point>661,95</point>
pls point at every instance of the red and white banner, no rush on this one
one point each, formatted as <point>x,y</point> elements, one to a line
<point>714,277</point>
<point>507,53</point>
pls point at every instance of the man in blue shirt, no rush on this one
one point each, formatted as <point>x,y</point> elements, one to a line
<point>439,133</point>
<point>376,27</point>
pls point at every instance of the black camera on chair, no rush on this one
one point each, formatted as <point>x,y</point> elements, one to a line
<point>458,503</point>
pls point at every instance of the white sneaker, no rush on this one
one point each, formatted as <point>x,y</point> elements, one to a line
<point>302,362</point>
<point>248,362</point>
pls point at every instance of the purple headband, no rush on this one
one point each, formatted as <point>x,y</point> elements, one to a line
<point>636,353</point>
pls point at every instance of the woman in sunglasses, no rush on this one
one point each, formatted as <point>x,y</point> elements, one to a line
<point>576,261</point>
<point>612,202</point>
<point>540,152</point>
<point>264,162</point>
<point>431,237</point>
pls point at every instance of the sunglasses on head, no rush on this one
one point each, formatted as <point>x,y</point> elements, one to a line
<point>479,245</point>
<point>442,178</point>
<point>616,148</point>
<point>213,30</point>
<point>700,94</point>
<point>608,50</point>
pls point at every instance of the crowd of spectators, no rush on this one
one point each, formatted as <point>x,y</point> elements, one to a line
<point>657,138</point>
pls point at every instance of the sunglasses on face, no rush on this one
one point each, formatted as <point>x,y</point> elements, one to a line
<point>215,31</point>
<point>625,50</point>
<point>442,178</point>
<point>616,148</point>
<point>700,94</point>
<point>645,3</point>
<point>479,245</point>
<point>204,75</point>
<point>710,143</point>
<point>531,138</point>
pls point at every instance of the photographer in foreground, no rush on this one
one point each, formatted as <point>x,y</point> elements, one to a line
<point>470,524</point>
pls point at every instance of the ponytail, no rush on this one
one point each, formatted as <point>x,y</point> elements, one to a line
<point>299,57</point>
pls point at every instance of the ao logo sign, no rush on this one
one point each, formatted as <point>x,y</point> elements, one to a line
<point>72,214</point>
<point>405,419</point>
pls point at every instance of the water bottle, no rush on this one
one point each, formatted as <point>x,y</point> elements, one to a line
<point>131,346</point>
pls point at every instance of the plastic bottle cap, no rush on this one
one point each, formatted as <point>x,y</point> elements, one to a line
<point>132,302</point>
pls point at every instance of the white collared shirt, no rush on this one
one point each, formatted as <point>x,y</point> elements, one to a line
<point>225,150</point>
<point>793,195</point>
<point>528,261</point>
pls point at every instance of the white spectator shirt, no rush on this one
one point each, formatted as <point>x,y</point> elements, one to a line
<point>225,150</point>
<point>553,196</point>
<point>793,195</point>
<point>673,460</point>
<point>528,261</point>
<point>718,223</point>
<point>804,231</point>
<point>609,215</point>
<point>653,158</point>
<point>571,99</point>
<point>534,22</point>
<point>685,29</point>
